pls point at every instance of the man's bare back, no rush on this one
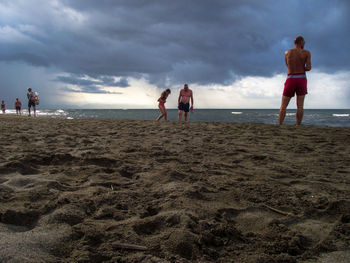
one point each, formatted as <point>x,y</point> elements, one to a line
<point>298,60</point>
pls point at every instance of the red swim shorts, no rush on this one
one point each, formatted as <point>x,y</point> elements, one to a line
<point>295,83</point>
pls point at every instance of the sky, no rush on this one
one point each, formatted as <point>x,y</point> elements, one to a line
<point>124,53</point>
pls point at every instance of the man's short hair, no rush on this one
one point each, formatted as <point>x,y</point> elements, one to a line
<point>298,40</point>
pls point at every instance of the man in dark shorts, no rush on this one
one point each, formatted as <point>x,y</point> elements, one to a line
<point>184,101</point>
<point>298,61</point>
<point>31,101</point>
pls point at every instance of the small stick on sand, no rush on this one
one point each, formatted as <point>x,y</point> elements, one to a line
<point>129,246</point>
<point>278,211</point>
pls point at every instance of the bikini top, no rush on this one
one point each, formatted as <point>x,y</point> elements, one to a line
<point>163,96</point>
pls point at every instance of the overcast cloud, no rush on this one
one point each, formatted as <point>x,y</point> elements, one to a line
<point>98,46</point>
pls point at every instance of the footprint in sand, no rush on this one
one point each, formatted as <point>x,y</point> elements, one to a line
<point>252,219</point>
<point>16,181</point>
<point>315,230</point>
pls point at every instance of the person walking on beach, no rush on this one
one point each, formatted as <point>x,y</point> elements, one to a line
<point>3,107</point>
<point>18,106</point>
<point>161,104</point>
<point>184,101</point>
<point>31,101</point>
<point>298,61</point>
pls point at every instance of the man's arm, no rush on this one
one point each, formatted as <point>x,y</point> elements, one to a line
<point>285,57</point>
<point>178,100</point>
<point>308,61</point>
<point>192,99</point>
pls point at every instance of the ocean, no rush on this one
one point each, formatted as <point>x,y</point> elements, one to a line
<point>314,117</point>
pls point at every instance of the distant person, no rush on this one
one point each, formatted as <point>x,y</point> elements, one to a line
<point>161,104</point>
<point>31,101</point>
<point>18,107</point>
<point>184,101</point>
<point>3,107</point>
<point>298,61</point>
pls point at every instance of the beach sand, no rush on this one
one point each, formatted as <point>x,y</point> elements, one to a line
<point>98,190</point>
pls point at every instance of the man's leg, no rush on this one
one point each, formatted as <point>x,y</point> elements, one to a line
<point>283,109</point>
<point>34,111</point>
<point>180,115</point>
<point>28,111</point>
<point>300,106</point>
<point>185,116</point>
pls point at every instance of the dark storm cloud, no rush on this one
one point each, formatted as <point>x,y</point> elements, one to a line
<point>105,81</point>
<point>110,82</point>
<point>90,89</point>
<point>202,41</point>
<point>76,81</point>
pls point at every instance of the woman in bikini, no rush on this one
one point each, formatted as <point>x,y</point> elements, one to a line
<point>161,104</point>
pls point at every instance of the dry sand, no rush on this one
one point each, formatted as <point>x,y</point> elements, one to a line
<point>142,191</point>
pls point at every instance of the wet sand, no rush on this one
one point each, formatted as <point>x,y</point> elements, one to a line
<point>143,191</point>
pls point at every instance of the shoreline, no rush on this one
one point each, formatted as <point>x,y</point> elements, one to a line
<point>319,118</point>
<point>118,190</point>
<point>169,121</point>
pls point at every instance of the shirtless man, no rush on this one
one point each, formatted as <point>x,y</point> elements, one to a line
<point>31,101</point>
<point>184,101</point>
<point>298,60</point>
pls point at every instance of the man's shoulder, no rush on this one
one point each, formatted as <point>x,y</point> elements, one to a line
<point>296,51</point>
<point>288,52</point>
